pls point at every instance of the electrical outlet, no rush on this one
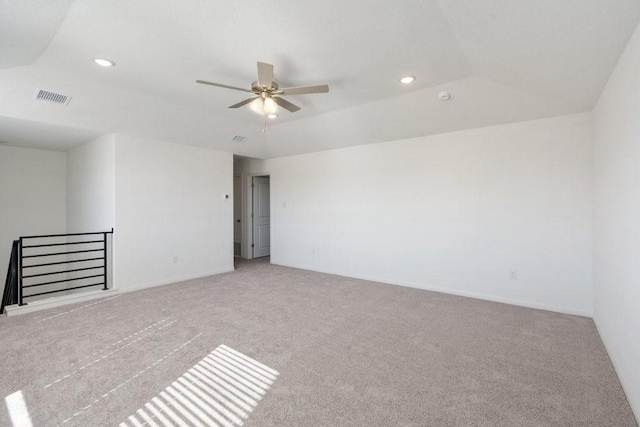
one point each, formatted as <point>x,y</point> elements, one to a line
<point>514,275</point>
<point>175,259</point>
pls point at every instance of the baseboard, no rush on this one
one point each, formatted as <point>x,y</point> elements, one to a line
<point>175,280</point>
<point>43,304</point>
<point>635,405</point>
<point>467,294</point>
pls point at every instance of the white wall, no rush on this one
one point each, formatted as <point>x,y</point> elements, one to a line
<point>617,219</point>
<point>91,199</point>
<point>170,203</point>
<point>32,196</point>
<point>453,212</point>
<point>91,186</point>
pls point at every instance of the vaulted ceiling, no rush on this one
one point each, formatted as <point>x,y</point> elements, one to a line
<point>501,60</point>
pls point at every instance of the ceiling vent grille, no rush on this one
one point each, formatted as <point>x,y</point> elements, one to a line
<point>44,95</point>
<point>239,138</point>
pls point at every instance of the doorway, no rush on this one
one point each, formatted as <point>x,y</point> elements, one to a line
<point>261,217</point>
<point>237,215</point>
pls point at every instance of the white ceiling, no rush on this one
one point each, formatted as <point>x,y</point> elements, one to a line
<point>502,61</point>
<point>44,136</point>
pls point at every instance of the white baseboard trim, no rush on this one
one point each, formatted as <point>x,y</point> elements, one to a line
<point>635,405</point>
<point>467,294</point>
<point>175,280</point>
<point>43,304</point>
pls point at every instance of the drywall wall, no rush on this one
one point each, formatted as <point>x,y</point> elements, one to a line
<point>456,212</point>
<point>91,186</point>
<point>32,195</point>
<point>91,200</point>
<point>172,221</point>
<point>617,219</point>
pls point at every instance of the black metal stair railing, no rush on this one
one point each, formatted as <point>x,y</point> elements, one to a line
<point>10,294</point>
<point>37,261</point>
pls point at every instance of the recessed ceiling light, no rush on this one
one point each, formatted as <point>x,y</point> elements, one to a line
<point>407,80</point>
<point>104,62</point>
<point>272,116</point>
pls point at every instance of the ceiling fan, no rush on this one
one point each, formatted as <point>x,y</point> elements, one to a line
<point>268,95</point>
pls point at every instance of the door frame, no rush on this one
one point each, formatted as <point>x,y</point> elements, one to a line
<point>238,175</point>
<point>253,219</point>
<point>247,208</point>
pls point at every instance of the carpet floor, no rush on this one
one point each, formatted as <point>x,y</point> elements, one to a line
<point>273,346</point>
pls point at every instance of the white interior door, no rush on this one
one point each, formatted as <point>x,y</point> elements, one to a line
<point>261,217</point>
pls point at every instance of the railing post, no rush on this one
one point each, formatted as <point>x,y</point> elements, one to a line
<point>20,302</point>
<point>104,252</point>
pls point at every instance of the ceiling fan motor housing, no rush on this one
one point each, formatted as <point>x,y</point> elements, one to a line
<point>256,88</point>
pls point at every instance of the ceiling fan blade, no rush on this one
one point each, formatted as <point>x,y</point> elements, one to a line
<point>221,85</point>
<point>265,75</point>
<point>301,90</point>
<point>241,103</point>
<point>286,104</point>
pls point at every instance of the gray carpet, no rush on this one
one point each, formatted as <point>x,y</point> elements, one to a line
<point>327,351</point>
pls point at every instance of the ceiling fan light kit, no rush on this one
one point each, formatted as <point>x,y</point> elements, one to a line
<point>268,95</point>
<point>264,106</point>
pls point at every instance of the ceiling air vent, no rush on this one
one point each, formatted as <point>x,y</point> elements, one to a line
<point>44,95</point>
<point>239,138</point>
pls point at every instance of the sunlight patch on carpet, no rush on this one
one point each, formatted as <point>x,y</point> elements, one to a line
<point>220,390</point>
<point>101,358</point>
<point>79,308</point>
<point>18,412</point>
<point>130,379</point>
